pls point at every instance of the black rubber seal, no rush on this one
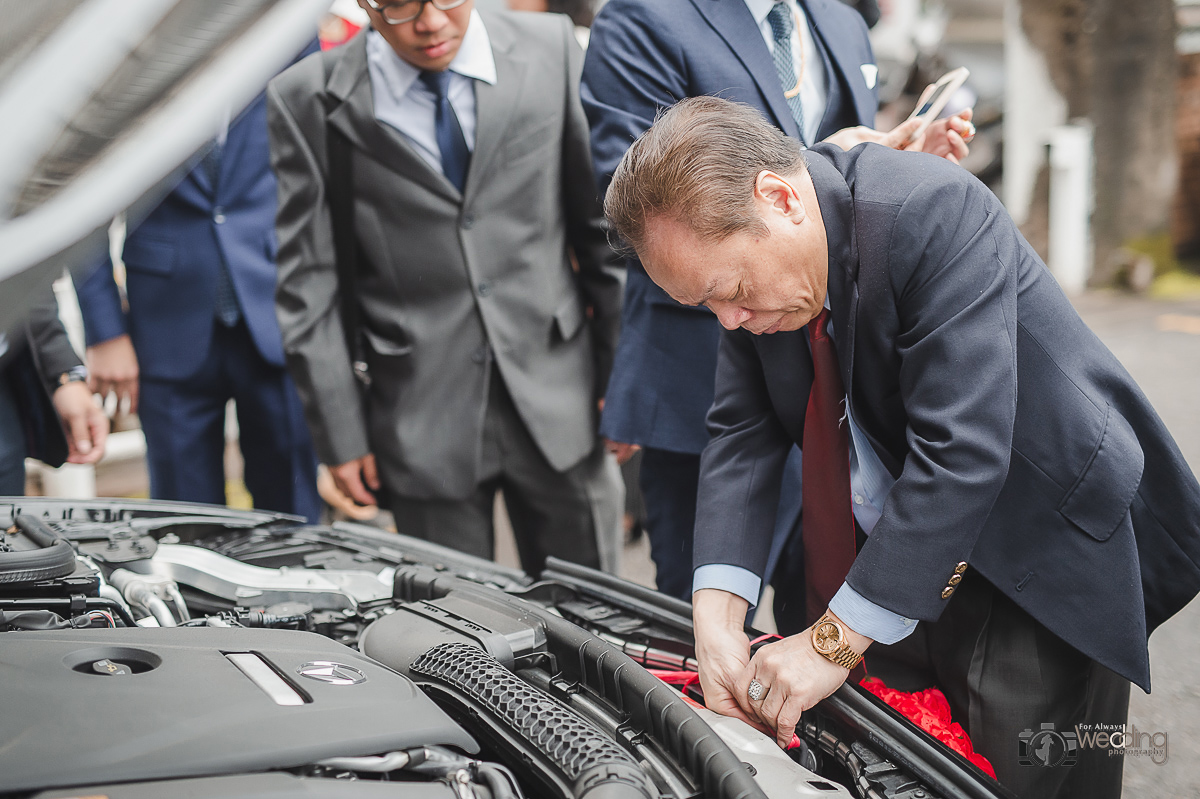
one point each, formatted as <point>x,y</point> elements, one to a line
<point>55,558</point>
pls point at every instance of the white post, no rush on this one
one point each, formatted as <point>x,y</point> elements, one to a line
<point>71,480</point>
<point>1032,106</point>
<point>1071,206</point>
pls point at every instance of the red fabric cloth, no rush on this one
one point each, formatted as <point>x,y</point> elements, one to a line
<point>930,711</point>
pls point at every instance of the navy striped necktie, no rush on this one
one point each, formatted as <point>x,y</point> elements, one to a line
<point>782,26</point>
<point>456,158</point>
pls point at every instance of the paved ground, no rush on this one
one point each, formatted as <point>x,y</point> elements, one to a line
<point>1159,343</point>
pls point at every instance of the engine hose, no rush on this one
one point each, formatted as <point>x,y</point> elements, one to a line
<point>650,704</point>
<point>54,558</point>
<point>594,765</point>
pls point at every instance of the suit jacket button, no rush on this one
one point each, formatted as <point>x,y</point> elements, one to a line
<point>947,592</point>
<point>480,354</point>
<point>484,288</point>
<point>955,579</point>
<point>961,567</point>
<point>468,221</point>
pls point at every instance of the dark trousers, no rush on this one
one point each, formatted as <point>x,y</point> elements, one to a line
<point>1005,675</point>
<point>553,513</point>
<point>184,423</point>
<point>670,481</point>
<point>12,442</point>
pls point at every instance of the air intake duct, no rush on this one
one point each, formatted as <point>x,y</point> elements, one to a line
<point>592,765</point>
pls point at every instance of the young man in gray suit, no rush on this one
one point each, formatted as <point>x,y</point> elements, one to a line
<point>1028,522</point>
<point>487,350</point>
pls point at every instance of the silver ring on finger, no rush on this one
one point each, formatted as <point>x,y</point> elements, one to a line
<point>755,690</point>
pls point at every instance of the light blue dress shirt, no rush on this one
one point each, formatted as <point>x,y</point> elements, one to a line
<point>406,104</point>
<point>808,62</point>
<point>870,483</point>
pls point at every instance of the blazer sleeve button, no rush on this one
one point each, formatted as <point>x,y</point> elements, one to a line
<point>961,567</point>
<point>955,579</point>
<point>947,592</point>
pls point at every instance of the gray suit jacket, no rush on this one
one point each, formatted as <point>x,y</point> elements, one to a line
<point>448,282</point>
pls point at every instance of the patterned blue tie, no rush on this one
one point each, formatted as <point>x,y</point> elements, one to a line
<point>785,59</point>
<point>455,155</point>
<point>226,310</point>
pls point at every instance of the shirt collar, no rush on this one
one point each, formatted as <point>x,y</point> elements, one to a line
<point>760,8</point>
<point>474,59</point>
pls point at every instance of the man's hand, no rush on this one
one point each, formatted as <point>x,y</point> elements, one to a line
<point>329,492</point>
<point>946,138</point>
<point>795,677</point>
<point>623,451</point>
<point>723,652</point>
<point>113,366</point>
<point>85,424</point>
<point>354,477</point>
<point>896,138</point>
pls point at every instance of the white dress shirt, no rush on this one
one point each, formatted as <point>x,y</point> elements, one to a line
<point>813,93</point>
<point>406,104</point>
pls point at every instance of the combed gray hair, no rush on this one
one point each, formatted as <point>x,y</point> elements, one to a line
<point>698,163</point>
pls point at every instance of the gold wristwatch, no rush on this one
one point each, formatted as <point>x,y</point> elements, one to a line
<point>829,639</point>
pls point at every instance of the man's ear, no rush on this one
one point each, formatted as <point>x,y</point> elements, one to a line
<point>778,194</point>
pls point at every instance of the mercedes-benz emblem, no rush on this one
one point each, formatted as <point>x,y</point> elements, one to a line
<point>331,673</point>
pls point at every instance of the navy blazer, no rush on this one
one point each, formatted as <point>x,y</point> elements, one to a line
<point>1019,443</point>
<point>645,55</point>
<point>172,260</point>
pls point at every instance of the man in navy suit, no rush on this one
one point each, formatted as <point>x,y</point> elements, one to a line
<point>645,55</point>
<point>1015,519</point>
<point>200,330</point>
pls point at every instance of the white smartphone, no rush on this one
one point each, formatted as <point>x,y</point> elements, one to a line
<point>935,97</point>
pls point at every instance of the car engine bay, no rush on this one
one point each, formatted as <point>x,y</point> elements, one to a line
<point>154,649</point>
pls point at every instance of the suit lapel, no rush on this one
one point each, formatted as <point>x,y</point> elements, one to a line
<point>844,60</point>
<point>732,21</point>
<point>837,214</point>
<point>495,104</point>
<point>354,116</point>
<point>235,144</point>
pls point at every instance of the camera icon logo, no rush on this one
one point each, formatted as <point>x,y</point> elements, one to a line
<point>1047,747</point>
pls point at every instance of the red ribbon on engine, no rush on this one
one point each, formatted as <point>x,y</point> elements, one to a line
<point>930,711</point>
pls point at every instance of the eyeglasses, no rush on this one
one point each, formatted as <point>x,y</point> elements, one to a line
<point>407,10</point>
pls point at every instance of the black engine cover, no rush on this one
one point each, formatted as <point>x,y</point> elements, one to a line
<point>178,706</point>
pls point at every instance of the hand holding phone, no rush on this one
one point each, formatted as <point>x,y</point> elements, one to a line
<point>935,97</point>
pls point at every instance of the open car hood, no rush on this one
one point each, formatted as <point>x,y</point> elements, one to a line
<point>104,100</point>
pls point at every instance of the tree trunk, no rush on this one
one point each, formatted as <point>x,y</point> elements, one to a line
<point>1114,63</point>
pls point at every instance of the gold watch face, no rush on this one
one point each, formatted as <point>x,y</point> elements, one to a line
<point>827,637</point>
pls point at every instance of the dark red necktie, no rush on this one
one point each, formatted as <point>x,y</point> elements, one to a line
<point>826,516</point>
